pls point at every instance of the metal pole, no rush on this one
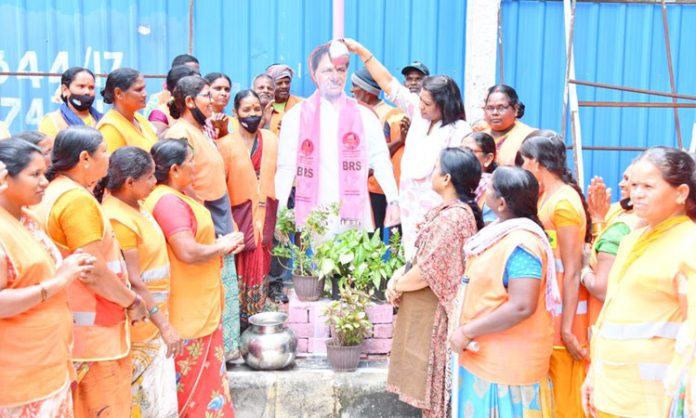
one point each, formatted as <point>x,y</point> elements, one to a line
<point>607,148</point>
<point>500,42</point>
<point>571,94</point>
<point>637,104</point>
<point>631,89</point>
<point>569,54</point>
<point>338,19</point>
<point>672,84</point>
<point>190,32</point>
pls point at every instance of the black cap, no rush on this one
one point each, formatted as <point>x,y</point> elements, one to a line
<point>416,65</point>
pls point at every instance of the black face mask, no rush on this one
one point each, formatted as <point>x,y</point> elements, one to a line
<point>198,115</point>
<point>251,123</point>
<point>81,102</point>
<point>626,204</point>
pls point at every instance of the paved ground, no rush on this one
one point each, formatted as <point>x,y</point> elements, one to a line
<point>311,389</point>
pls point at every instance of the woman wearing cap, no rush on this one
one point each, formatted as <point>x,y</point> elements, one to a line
<point>437,121</point>
<point>77,93</point>
<point>123,125</point>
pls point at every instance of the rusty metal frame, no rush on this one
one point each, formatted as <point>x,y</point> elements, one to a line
<point>638,104</point>
<point>631,89</point>
<point>672,83</point>
<point>675,105</point>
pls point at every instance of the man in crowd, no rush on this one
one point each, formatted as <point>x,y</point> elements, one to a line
<point>414,73</point>
<point>284,101</point>
<point>163,96</point>
<point>264,86</point>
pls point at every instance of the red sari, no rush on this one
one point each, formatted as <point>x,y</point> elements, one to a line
<point>201,378</point>
<point>254,265</point>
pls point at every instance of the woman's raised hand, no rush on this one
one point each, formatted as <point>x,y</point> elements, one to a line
<point>598,199</point>
<point>353,45</point>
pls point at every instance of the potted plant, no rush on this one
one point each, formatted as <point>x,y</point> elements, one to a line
<point>349,324</point>
<point>297,245</point>
<point>363,258</point>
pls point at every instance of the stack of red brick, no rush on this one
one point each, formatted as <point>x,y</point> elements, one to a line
<point>308,322</point>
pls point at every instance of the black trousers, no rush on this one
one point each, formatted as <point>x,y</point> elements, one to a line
<point>378,202</point>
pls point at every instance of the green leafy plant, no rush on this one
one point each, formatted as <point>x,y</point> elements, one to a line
<point>347,317</point>
<point>365,260</point>
<point>298,243</point>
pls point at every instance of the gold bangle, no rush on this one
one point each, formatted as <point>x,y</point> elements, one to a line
<point>371,56</point>
<point>44,292</point>
<point>597,228</point>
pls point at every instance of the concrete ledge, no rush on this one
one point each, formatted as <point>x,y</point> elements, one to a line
<point>311,389</point>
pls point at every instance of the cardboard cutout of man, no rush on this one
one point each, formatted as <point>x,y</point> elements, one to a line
<point>328,144</point>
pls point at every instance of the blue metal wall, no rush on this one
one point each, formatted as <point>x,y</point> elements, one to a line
<point>617,44</point>
<point>51,36</point>
<point>614,44</point>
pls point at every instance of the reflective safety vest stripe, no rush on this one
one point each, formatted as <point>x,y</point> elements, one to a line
<point>153,259</point>
<point>99,325</point>
<point>155,274</point>
<point>196,295</point>
<point>546,212</point>
<point>34,344</point>
<point>526,345</point>
<point>635,335</point>
<point>640,331</point>
<point>581,310</point>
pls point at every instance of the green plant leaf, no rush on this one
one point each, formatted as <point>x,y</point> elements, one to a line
<point>346,258</point>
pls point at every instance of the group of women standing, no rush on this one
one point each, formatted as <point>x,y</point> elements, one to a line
<point>560,306</point>
<point>547,303</point>
<point>118,283</point>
